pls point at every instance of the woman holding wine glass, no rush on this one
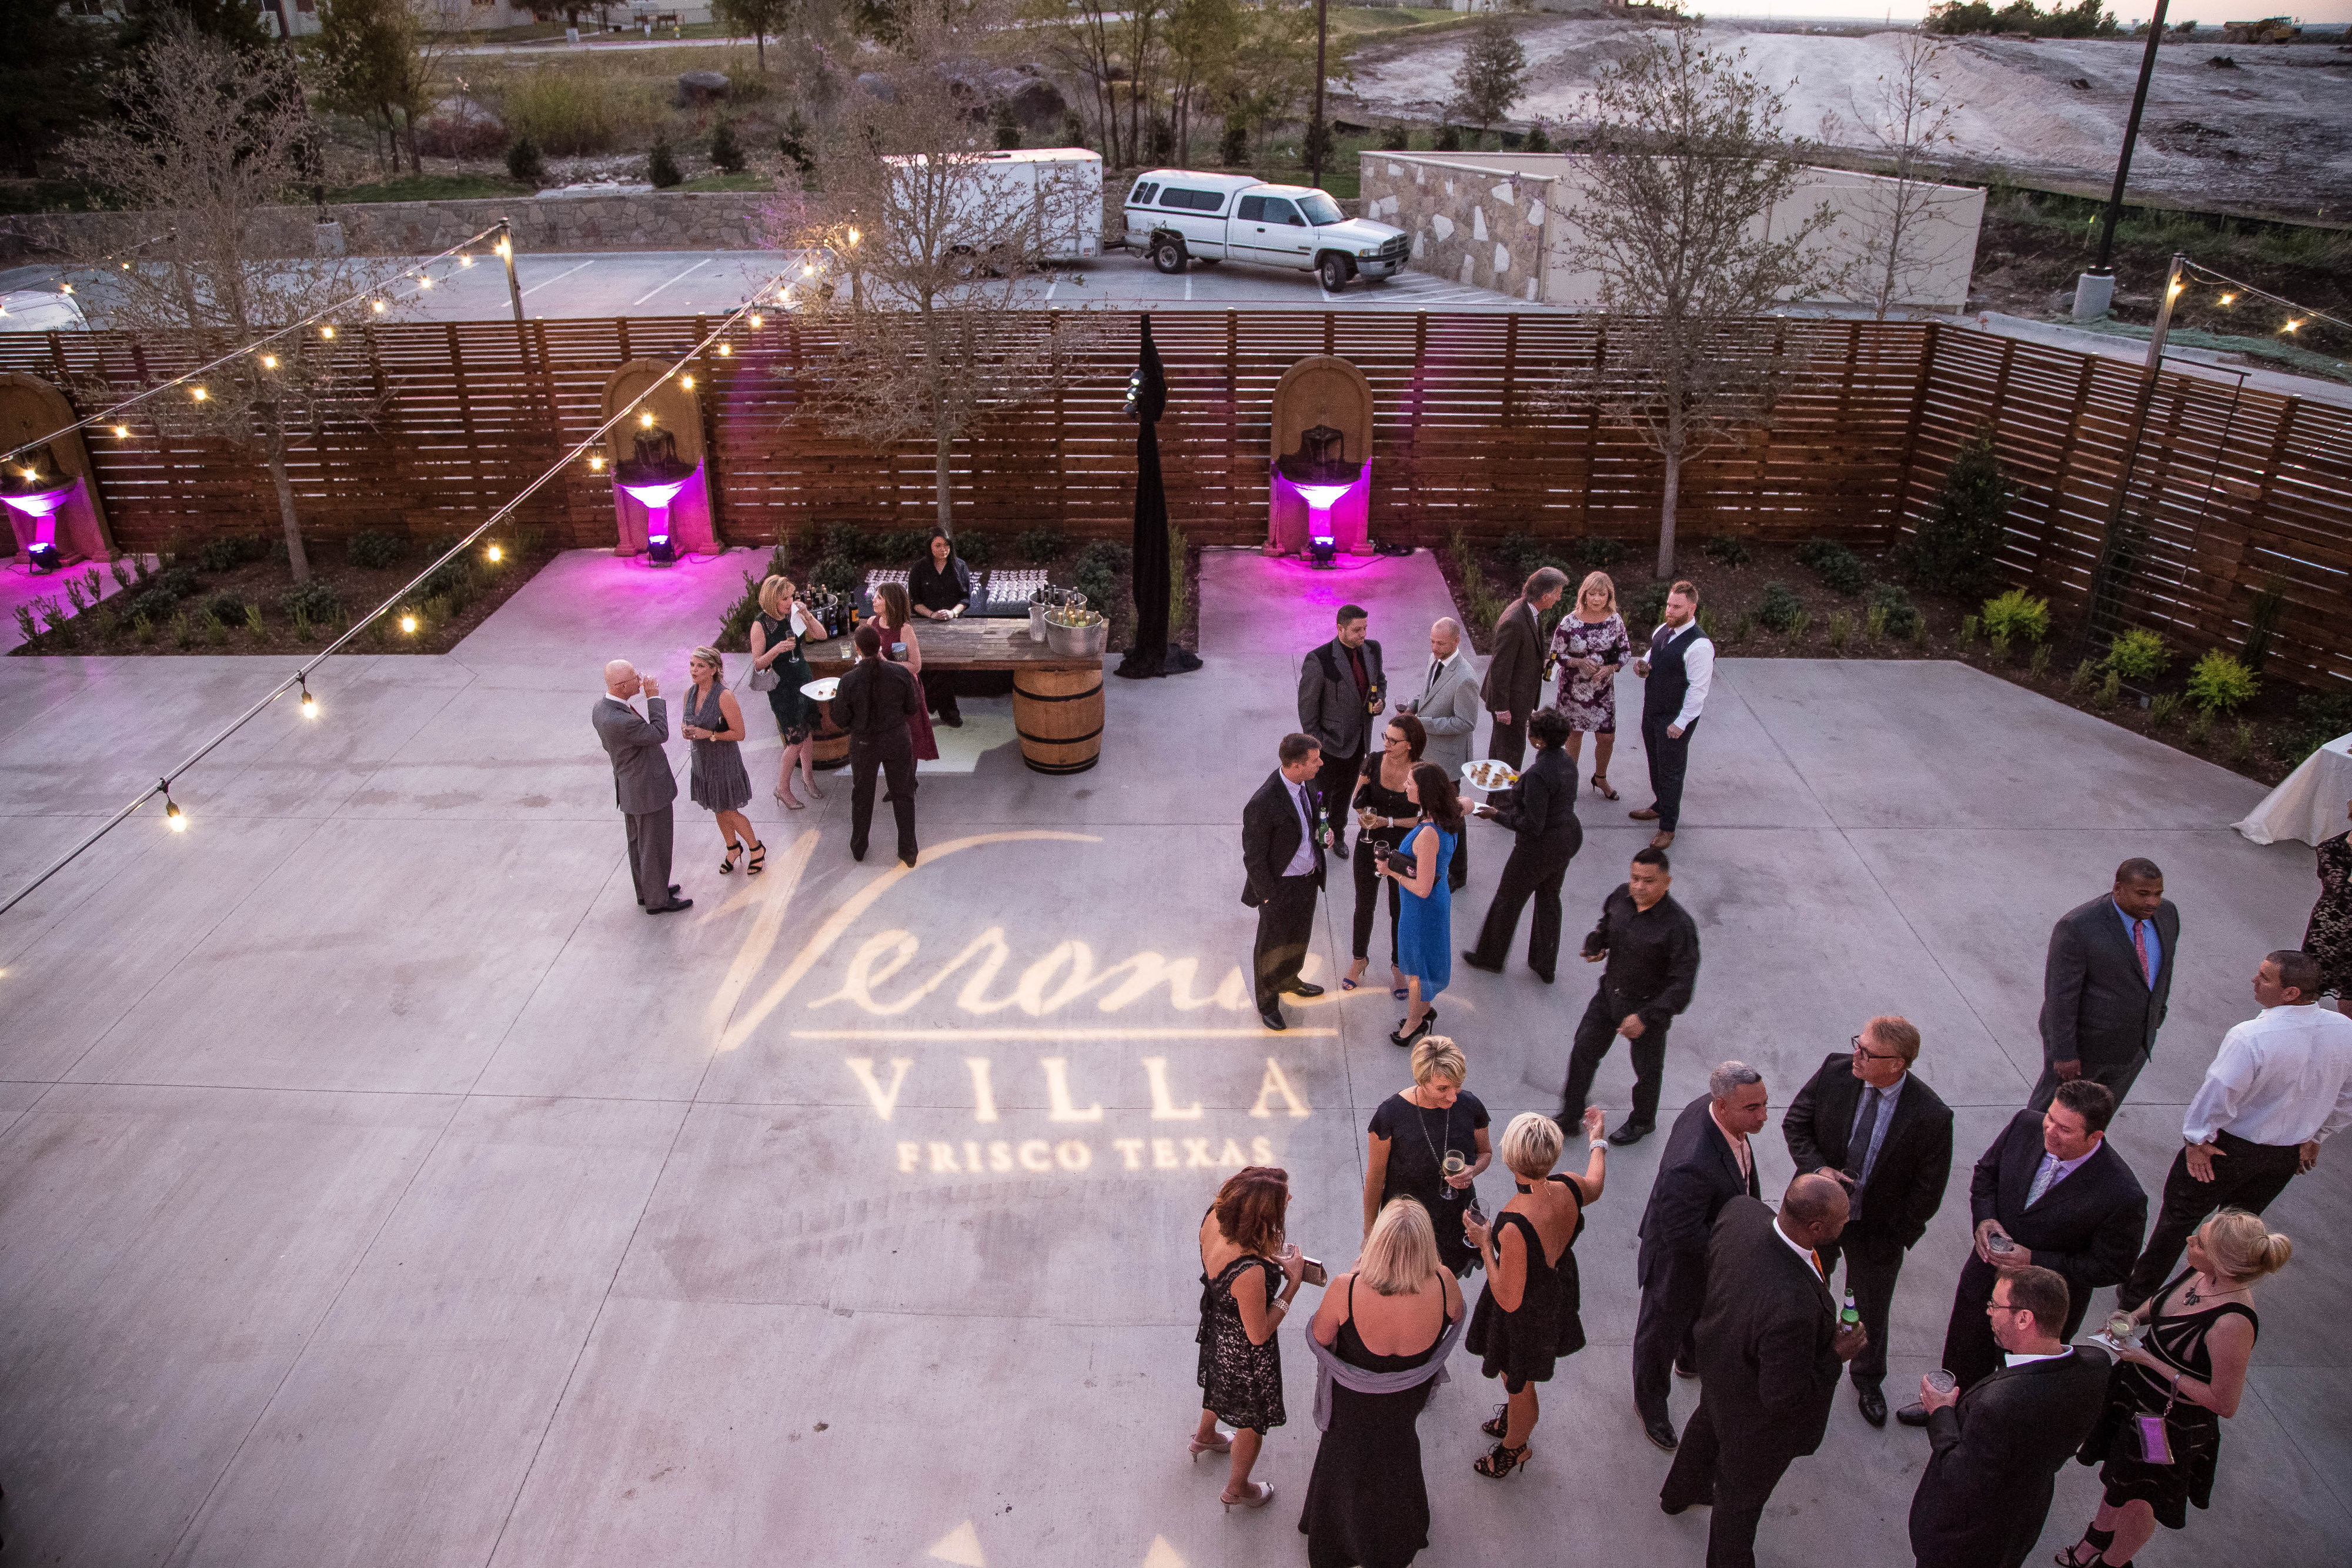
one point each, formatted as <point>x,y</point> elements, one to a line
<point>1429,1143</point>
<point>776,638</point>
<point>1383,811</point>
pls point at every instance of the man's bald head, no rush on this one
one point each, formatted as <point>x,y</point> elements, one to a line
<point>1813,1211</point>
<point>1445,637</point>
<point>621,678</point>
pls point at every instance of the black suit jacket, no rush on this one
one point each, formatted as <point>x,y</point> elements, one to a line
<point>1270,833</point>
<point>1986,1493</point>
<point>2097,1004</point>
<point>1765,1343</point>
<point>1330,708</point>
<point>2087,1227</point>
<point>1914,1157</point>
<point>1515,674</point>
<point>873,703</point>
<point>1698,1174</point>
<point>1541,808</point>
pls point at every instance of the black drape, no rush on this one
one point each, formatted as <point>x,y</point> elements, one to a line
<point>1148,400</point>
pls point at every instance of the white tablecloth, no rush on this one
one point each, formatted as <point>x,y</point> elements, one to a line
<point>2309,802</point>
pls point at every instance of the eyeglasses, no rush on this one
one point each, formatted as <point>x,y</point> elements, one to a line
<point>1395,740</point>
<point>2001,1307</point>
<point>1869,1055</point>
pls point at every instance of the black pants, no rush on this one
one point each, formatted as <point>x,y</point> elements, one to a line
<point>898,770</point>
<point>1873,1284</point>
<point>1594,1034</point>
<point>940,695</point>
<point>2118,1075</point>
<point>1673,1292</point>
<point>1368,894</point>
<point>1286,923</point>
<point>2247,1175</point>
<point>1669,760</point>
<point>1736,1480</point>
<point>649,846</point>
<point>1508,742</point>
<point>1534,874</point>
<point>1336,782</point>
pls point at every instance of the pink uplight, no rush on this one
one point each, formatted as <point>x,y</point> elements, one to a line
<point>41,505</point>
<point>655,499</point>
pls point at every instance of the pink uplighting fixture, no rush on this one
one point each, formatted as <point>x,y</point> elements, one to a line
<point>655,499</point>
<point>41,506</point>
<point>653,478</point>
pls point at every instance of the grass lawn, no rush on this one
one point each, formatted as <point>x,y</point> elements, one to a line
<point>431,188</point>
<point>749,180</point>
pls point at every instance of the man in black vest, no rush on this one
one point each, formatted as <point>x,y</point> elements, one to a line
<point>1283,835</point>
<point>1341,689</point>
<point>1676,678</point>
<point>1540,810</point>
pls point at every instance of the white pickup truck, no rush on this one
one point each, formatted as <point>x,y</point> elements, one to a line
<point>1178,216</point>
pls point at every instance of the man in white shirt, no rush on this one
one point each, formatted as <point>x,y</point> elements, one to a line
<point>1676,676</point>
<point>2280,1086</point>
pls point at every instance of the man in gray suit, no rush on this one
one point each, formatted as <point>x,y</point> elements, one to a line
<point>643,785</point>
<point>1448,709</point>
<point>2106,984</point>
<point>1341,689</point>
<point>1515,674</point>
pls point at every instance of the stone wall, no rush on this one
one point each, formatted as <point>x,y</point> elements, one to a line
<point>1479,226</point>
<point>655,220</point>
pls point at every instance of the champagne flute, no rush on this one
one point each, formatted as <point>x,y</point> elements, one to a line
<point>1453,1164</point>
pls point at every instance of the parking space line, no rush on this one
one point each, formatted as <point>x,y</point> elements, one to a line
<point>557,278</point>
<point>658,288</point>
<point>1188,300</point>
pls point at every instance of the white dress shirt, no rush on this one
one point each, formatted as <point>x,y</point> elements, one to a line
<point>2283,1077</point>
<point>1813,1266</point>
<point>1698,663</point>
<point>1302,862</point>
<point>2019,1358</point>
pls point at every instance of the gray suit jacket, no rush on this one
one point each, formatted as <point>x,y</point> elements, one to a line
<point>1329,707</point>
<point>1449,708</point>
<point>2097,1005</point>
<point>642,781</point>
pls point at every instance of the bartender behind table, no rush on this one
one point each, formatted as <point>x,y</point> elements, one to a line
<point>940,588</point>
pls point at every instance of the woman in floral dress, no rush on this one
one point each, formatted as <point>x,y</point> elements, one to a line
<point>1588,647</point>
<point>2329,937</point>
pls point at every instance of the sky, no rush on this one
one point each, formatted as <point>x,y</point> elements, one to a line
<point>2204,13</point>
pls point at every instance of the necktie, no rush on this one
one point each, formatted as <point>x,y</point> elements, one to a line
<point>2042,1177</point>
<point>1306,818</point>
<point>2139,945</point>
<point>1818,1271</point>
<point>1434,665</point>
<point>1866,1133</point>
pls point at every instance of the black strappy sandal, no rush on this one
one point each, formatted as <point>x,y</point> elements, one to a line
<point>1600,786</point>
<point>759,861</point>
<point>1500,1424</point>
<point>728,864</point>
<point>1502,1462</point>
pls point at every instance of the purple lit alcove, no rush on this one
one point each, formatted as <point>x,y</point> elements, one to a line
<point>676,510</point>
<point>1335,517</point>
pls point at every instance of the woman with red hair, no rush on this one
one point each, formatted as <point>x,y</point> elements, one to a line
<point>1249,1276</point>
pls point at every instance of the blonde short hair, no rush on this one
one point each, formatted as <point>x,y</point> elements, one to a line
<point>775,593</point>
<point>1897,1034</point>
<point>1438,1057</point>
<point>1400,1254</point>
<point>1531,1144</point>
<point>1601,580</point>
<point>715,659</point>
<point>2243,1247</point>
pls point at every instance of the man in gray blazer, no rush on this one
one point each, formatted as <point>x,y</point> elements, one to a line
<point>2106,984</point>
<point>643,785</point>
<point>1516,671</point>
<point>1448,709</point>
<point>1341,689</point>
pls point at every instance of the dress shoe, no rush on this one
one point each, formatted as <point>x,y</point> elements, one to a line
<point>673,892</point>
<point>857,852</point>
<point>1546,979</point>
<point>1301,988</point>
<point>1872,1400</point>
<point>1671,1508</point>
<point>1661,839</point>
<point>907,860</point>
<point>1682,1371</point>
<point>1630,1133</point>
<point>1662,1433</point>
<point>1912,1414</point>
<point>1271,1018</point>
<point>1646,814</point>
<point>672,907</point>
<point>952,720</point>
<point>1471,959</point>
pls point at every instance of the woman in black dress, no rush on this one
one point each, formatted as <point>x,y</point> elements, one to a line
<point>1383,812</point>
<point>1529,1315</point>
<point>1367,1503</point>
<point>941,587</point>
<point>1411,1135</point>
<point>1249,1276</point>
<point>2189,1374</point>
<point>2329,937</point>
<point>776,645</point>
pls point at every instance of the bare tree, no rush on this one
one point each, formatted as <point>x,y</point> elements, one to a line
<point>1898,228</point>
<point>207,135</point>
<point>1676,218</point>
<point>1204,43</point>
<point>931,244</point>
<point>1116,47</point>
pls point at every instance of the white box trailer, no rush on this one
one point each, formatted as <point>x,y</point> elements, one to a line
<point>1051,195</point>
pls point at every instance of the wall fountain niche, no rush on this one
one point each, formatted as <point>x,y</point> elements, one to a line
<point>1320,503</point>
<point>661,484</point>
<point>47,494</point>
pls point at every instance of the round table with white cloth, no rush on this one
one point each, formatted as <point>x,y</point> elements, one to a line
<point>2309,802</point>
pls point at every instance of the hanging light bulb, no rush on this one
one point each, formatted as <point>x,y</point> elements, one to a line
<point>2291,325</point>
<point>121,430</point>
<point>381,307</point>
<point>198,393</point>
<point>595,461</point>
<point>268,361</point>
<point>2228,299</point>
<point>495,554</point>
<point>174,817</point>
<point>327,332</point>
<point>688,382</point>
<point>2177,287</point>
<point>726,350</point>
<point>309,703</point>
<point>756,322</point>
<point>646,419</point>
<point>408,622</point>
<point>853,237</point>
<point>126,266</point>
<point>66,287</point>
<point>423,281</point>
<point>466,259</point>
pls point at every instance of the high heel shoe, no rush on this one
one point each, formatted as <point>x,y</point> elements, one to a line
<point>1260,1494</point>
<point>1600,786</point>
<point>789,802</point>
<point>1224,1445</point>
<point>759,861</point>
<point>1499,1425</point>
<point>808,782</point>
<point>1502,1462</point>
<point>728,864</point>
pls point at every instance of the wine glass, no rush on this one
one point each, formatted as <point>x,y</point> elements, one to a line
<point>1453,1165</point>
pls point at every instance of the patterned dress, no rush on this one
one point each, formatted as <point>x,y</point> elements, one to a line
<point>2193,1431</point>
<point>2329,937</point>
<point>1240,1381</point>
<point>1589,704</point>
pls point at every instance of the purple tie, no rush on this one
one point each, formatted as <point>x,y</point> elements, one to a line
<point>2139,945</point>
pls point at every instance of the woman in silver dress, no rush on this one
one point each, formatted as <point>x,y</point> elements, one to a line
<point>713,721</point>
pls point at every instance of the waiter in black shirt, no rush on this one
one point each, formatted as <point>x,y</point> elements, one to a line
<point>873,702</point>
<point>1652,946</point>
<point>1540,810</point>
<point>939,588</point>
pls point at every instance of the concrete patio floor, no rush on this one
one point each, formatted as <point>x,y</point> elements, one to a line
<point>379,1186</point>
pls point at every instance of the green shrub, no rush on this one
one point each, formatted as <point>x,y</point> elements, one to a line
<point>1969,627</point>
<point>2109,690</point>
<point>1840,629</point>
<point>1728,548</point>
<point>1481,606</point>
<point>2039,663</point>
<point>1810,552</point>
<point>977,550</point>
<point>1538,139</point>
<point>2162,709</point>
<point>661,166</point>
<point>2017,617</point>
<point>1743,626</point>
<point>174,582</point>
<point>215,629</point>
<point>1778,609</point>
<point>1100,569</point>
<point>1840,571</point>
<point>2241,743</point>
<point>2219,684</point>
<point>2200,727</point>
<point>726,152</point>
<point>1649,611</point>
<point>308,602</point>
<point>1955,548</point>
<point>1039,544</point>
<point>229,553</point>
<point>254,627</point>
<point>183,631</point>
<point>837,574</point>
<point>121,570</point>
<point>1449,138</point>
<point>27,627</point>
<point>1797,624</point>
<point>525,164</point>
<point>2085,675</point>
<point>374,551</point>
<point>1600,554</point>
<point>226,608</point>
<point>2321,718</point>
<point>1997,647</point>
<point>1918,631</point>
<point>1233,147</point>
<point>152,603</point>
<point>1396,139</point>
<point>1893,607</point>
<point>2138,655</point>
<point>793,142</point>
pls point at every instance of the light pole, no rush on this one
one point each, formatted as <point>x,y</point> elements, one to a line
<point>2095,289</point>
<point>1318,134</point>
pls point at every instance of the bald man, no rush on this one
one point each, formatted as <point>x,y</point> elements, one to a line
<point>1449,708</point>
<point>1769,1355</point>
<point>643,785</point>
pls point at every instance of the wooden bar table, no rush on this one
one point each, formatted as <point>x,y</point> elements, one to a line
<point>1057,699</point>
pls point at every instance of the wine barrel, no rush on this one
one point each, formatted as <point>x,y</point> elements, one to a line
<point>1058,714</point>
<point>829,741</point>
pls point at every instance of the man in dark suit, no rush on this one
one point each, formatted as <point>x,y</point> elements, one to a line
<point>1540,811</point>
<point>1866,1120</point>
<point>1341,690</point>
<point>2105,986</point>
<point>1678,672</point>
<point>643,785</point>
<point>1514,685</point>
<point>1769,1349</point>
<point>1284,832</point>
<point>873,702</point>
<point>1707,1162</point>
<point>1998,1447</point>
<point>1651,946</point>
<point>2050,1192</point>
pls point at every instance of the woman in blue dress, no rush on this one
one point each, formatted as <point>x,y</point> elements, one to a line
<point>1425,920</point>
